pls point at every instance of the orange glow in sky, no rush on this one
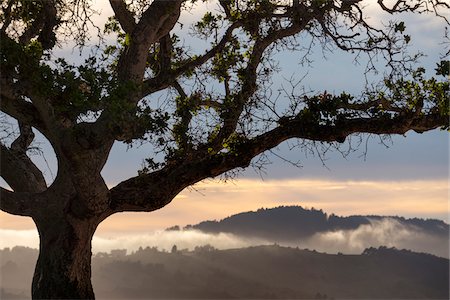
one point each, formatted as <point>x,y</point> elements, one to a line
<point>216,200</point>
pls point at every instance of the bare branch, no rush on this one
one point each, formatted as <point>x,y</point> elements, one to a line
<point>419,6</point>
<point>200,60</point>
<point>249,85</point>
<point>399,6</point>
<point>163,81</point>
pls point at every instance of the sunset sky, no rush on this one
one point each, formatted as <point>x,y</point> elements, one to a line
<point>408,178</point>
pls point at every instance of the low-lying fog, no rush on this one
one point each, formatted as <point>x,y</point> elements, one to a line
<point>386,232</point>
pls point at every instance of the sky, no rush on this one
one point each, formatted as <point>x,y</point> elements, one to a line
<point>402,175</point>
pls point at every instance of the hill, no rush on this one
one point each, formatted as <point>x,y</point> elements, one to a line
<point>263,272</point>
<point>290,223</point>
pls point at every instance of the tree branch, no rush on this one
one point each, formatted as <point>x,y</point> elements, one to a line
<point>43,26</point>
<point>16,167</point>
<point>123,15</point>
<point>163,81</point>
<point>25,138</point>
<point>20,204</point>
<point>249,86</point>
<point>21,110</point>
<point>152,191</point>
<point>155,23</point>
<point>396,7</point>
<point>7,16</point>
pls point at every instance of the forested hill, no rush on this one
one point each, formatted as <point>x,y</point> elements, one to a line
<point>287,223</point>
<point>272,272</point>
<point>262,272</point>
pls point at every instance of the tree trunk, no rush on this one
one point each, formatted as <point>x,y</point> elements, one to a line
<point>63,269</point>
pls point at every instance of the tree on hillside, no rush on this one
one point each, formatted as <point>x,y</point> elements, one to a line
<point>218,114</point>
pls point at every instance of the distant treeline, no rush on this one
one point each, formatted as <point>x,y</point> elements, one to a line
<point>263,272</point>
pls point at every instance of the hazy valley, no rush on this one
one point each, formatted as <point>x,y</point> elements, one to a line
<point>281,268</point>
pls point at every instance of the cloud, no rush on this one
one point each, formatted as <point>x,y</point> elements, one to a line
<point>387,232</point>
<point>217,200</point>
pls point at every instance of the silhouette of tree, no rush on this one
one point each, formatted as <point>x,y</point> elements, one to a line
<point>84,109</point>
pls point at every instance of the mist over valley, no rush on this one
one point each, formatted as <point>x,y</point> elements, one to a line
<point>283,252</point>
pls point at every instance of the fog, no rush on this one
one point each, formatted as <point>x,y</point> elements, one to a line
<point>386,232</point>
<point>189,270</point>
<point>165,240</point>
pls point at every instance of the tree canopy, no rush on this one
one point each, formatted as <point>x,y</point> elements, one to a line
<point>202,133</point>
<point>218,111</point>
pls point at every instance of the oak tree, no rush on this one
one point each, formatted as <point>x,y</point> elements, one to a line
<point>217,115</point>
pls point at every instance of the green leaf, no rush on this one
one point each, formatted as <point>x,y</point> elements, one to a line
<point>443,68</point>
<point>407,39</point>
<point>400,27</point>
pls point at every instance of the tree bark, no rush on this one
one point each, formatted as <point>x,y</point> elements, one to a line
<point>63,269</point>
